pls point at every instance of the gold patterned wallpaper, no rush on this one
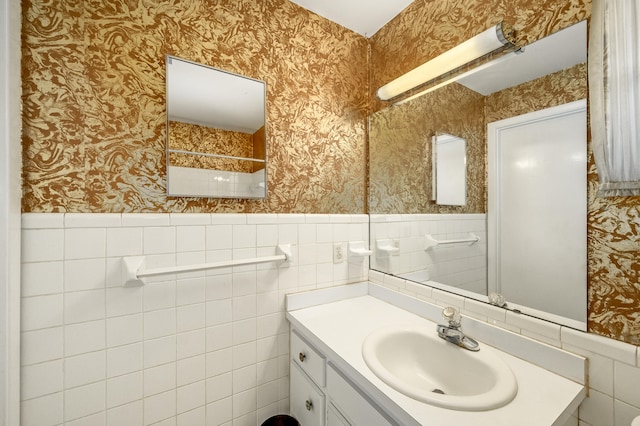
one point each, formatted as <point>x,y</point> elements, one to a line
<point>208,140</point>
<point>94,102</point>
<point>552,90</point>
<point>400,151</point>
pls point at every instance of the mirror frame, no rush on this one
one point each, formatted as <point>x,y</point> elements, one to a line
<point>391,217</point>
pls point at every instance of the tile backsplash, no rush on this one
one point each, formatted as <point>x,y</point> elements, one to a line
<point>207,347</point>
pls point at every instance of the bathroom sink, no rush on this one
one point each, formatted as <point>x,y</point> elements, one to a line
<point>419,364</point>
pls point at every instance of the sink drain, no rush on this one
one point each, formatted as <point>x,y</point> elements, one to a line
<point>440,391</point>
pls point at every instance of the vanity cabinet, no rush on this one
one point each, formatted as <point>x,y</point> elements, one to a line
<point>320,394</point>
<point>307,402</point>
<point>334,324</point>
<point>307,376</point>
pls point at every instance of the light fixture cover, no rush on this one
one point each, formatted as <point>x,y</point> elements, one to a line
<point>474,48</point>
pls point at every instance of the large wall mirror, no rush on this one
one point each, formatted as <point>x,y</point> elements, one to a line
<point>216,138</point>
<point>447,247</point>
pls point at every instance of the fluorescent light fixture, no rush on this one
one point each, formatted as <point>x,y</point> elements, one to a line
<point>470,50</point>
<point>482,67</point>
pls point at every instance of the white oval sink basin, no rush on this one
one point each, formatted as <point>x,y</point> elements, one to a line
<point>421,365</point>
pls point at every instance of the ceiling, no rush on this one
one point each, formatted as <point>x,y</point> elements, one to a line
<point>364,17</point>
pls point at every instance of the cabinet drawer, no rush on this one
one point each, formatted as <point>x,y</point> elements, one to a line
<point>309,359</point>
<point>351,403</point>
<point>307,402</point>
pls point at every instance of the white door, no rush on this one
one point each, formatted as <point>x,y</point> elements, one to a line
<point>537,211</point>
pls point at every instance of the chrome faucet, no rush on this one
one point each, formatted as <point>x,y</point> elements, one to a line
<point>452,332</point>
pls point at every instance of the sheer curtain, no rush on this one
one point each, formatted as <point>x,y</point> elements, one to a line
<point>614,89</point>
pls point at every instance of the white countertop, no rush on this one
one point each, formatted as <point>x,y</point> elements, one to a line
<point>338,329</point>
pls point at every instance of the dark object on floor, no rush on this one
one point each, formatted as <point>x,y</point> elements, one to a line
<point>281,420</point>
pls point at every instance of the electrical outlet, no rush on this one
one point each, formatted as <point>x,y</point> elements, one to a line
<point>338,253</point>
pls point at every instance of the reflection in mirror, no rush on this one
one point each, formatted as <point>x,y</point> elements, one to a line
<point>450,159</point>
<point>538,242</point>
<point>216,141</point>
<point>403,218</point>
<point>400,145</point>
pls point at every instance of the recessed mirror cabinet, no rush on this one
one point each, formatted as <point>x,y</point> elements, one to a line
<point>216,132</point>
<point>450,169</point>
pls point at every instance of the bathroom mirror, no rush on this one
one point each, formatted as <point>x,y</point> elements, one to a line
<point>450,169</point>
<point>216,138</point>
<point>445,246</point>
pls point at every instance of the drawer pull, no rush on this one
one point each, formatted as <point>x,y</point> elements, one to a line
<point>302,356</point>
<point>309,404</point>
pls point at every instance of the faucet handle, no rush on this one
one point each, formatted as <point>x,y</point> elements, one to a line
<point>452,315</point>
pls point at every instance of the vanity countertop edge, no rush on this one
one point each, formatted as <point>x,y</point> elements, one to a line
<point>356,310</point>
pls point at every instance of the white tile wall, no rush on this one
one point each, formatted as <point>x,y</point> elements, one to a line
<point>211,348</point>
<point>185,349</point>
<point>613,366</point>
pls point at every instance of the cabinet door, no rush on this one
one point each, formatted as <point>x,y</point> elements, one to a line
<point>334,418</point>
<point>307,402</point>
<point>355,407</point>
